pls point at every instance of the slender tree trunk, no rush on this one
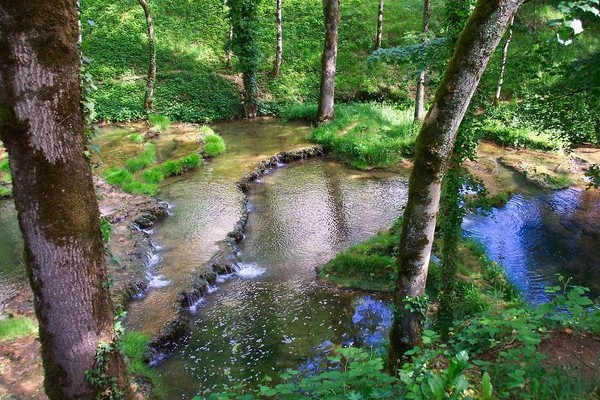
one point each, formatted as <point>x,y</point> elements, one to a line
<point>434,146</point>
<point>42,129</point>
<point>279,51</point>
<point>229,45</point>
<point>504,58</point>
<point>151,78</point>
<point>420,92</point>
<point>379,35</point>
<point>331,11</point>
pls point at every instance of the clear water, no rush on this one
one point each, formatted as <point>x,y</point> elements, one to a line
<point>273,313</point>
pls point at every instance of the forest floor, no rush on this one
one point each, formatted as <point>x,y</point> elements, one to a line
<point>21,372</point>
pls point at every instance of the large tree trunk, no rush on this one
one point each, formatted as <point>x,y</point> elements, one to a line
<point>420,92</point>
<point>279,51</point>
<point>434,146</point>
<point>42,129</point>
<point>379,35</point>
<point>331,11</point>
<point>504,58</point>
<point>151,78</point>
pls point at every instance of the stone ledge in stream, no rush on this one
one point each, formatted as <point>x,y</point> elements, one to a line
<point>223,262</point>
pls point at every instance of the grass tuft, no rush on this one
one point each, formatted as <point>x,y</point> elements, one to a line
<point>15,328</point>
<point>134,348</point>
<point>159,122</point>
<point>213,145</point>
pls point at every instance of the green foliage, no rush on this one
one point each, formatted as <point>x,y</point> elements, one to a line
<point>99,376</point>
<point>135,348</point>
<point>106,228</point>
<point>16,327</point>
<point>142,161</point>
<point>5,178</point>
<point>159,122</point>
<point>213,145</point>
<point>118,176</point>
<point>594,174</point>
<point>184,164</point>
<point>368,135</point>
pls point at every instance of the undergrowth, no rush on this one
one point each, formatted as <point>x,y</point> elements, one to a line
<point>134,346</point>
<point>214,144</point>
<point>365,135</point>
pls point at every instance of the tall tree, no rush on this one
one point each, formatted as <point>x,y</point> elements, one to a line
<point>279,50</point>
<point>151,77</point>
<point>245,21</point>
<point>229,44</point>
<point>41,125</point>
<point>434,145</point>
<point>379,34</point>
<point>331,12</point>
<point>420,92</point>
<point>504,59</point>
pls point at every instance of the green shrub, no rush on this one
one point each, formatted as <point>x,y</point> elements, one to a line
<point>213,145</point>
<point>136,187</point>
<point>159,122</point>
<point>14,328</point>
<point>144,160</point>
<point>171,168</point>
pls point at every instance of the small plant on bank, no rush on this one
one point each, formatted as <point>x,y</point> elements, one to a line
<point>143,160</point>
<point>213,145</point>
<point>159,122</point>
<point>16,327</point>
<point>135,345</point>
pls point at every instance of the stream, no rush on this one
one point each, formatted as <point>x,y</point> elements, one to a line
<point>273,313</point>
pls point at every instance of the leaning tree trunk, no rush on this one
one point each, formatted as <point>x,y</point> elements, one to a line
<point>434,146</point>
<point>151,78</point>
<point>420,92</point>
<point>504,58</point>
<point>379,35</point>
<point>279,51</point>
<point>42,129</point>
<point>331,11</point>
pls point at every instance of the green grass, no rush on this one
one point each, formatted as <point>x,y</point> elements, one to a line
<point>159,122</point>
<point>135,137</point>
<point>365,135</point>
<point>213,145</point>
<point>144,160</point>
<point>134,348</point>
<point>15,328</point>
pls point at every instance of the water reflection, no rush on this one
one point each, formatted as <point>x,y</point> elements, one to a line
<point>538,235</point>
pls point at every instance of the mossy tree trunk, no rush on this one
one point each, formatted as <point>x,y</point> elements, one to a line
<point>151,78</point>
<point>420,91</point>
<point>245,22</point>
<point>379,34</point>
<point>41,125</point>
<point>279,50</point>
<point>331,11</point>
<point>434,146</point>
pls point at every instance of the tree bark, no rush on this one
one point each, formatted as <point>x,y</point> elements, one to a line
<point>151,78</point>
<point>279,51</point>
<point>434,147</point>
<point>379,35</point>
<point>41,125</point>
<point>504,58</point>
<point>331,11</point>
<point>420,92</point>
